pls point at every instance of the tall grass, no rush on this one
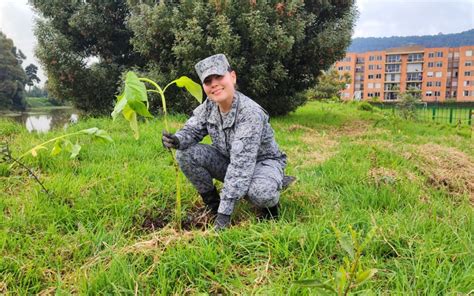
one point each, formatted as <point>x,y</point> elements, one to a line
<point>89,237</point>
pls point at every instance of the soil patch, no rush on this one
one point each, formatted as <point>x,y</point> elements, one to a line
<point>447,168</point>
<point>382,175</point>
<point>195,218</point>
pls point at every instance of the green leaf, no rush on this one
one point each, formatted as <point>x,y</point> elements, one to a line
<point>346,243</point>
<point>103,135</point>
<point>128,113</point>
<point>89,131</point>
<point>134,88</point>
<point>364,276</point>
<point>192,87</point>
<point>75,150</point>
<point>67,145</point>
<point>121,103</point>
<point>314,284</point>
<point>341,279</point>
<point>57,148</point>
<point>140,108</point>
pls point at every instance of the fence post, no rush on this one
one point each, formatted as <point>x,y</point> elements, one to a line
<point>433,116</point>
<point>451,115</point>
<point>469,121</point>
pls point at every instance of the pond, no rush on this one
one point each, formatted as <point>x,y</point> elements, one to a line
<point>45,119</point>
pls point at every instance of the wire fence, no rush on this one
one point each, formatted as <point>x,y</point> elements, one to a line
<point>458,115</point>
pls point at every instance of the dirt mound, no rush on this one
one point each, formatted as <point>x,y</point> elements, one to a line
<point>447,168</point>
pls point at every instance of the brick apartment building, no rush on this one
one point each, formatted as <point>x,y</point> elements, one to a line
<point>439,73</point>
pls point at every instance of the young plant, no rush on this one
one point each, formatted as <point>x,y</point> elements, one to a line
<point>133,101</point>
<point>350,275</point>
<point>61,143</point>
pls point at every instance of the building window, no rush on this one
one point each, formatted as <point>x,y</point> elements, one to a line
<point>415,57</point>
<point>392,68</point>
<point>370,85</point>
<point>414,76</point>
<point>431,55</point>
<point>371,67</point>
<point>467,73</point>
<point>439,54</point>
<point>469,53</point>
<point>467,83</point>
<point>340,68</point>
<point>371,58</point>
<point>377,94</point>
<point>377,85</point>
<point>394,58</point>
<point>347,59</point>
<point>429,83</point>
<point>348,68</point>
<point>370,95</point>
<point>456,54</point>
<point>439,64</point>
<point>378,76</point>
<point>437,93</point>
<point>455,83</point>
<point>438,83</point>
<point>439,74</point>
<point>429,74</point>
<point>466,93</point>
<point>379,67</point>
<point>430,64</point>
<point>429,93</point>
<point>468,63</point>
<point>379,58</point>
<point>370,76</point>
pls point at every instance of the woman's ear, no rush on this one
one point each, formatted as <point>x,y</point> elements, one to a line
<point>234,77</point>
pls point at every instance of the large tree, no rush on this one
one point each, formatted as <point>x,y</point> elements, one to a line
<point>278,48</point>
<point>31,72</point>
<point>12,75</point>
<point>84,47</point>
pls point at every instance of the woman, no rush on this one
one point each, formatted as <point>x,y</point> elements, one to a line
<point>243,154</point>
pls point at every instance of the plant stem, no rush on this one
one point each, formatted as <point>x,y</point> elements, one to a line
<point>352,271</point>
<point>175,162</point>
<point>31,173</point>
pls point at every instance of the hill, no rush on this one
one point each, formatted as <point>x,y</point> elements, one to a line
<point>440,40</point>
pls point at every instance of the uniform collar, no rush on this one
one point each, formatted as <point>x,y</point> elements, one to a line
<point>215,116</point>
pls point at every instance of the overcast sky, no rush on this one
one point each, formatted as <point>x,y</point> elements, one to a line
<point>378,18</point>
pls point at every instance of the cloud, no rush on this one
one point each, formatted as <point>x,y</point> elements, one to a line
<point>384,18</point>
<point>17,22</point>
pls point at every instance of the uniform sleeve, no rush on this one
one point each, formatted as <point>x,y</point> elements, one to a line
<point>243,157</point>
<point>194,129</point>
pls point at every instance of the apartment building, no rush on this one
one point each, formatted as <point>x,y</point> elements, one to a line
<point>438,74</point>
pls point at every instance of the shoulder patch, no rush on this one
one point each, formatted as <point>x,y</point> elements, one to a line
<point>237,146</point>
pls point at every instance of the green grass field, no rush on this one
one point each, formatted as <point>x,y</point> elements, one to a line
<point>100,231</point>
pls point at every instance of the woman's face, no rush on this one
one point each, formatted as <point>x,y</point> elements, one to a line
<point>219,88</point>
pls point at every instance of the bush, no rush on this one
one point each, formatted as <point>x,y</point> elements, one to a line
<point>364,106</point>
<point>277,48</point>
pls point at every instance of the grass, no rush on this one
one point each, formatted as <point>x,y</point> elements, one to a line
<point>410,180</point>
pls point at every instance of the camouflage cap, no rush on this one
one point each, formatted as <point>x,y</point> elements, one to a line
<point>213,65</point>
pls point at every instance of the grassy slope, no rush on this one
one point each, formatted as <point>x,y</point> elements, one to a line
<point>89,238</point>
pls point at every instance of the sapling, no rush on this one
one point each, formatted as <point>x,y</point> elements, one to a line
<point>351,274</point>
<point>133,101</point>
<point>61,143</point>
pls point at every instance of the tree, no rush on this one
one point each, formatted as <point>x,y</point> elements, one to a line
<point>12,75</point>
<point>84,47</point>
<point>330,84</point>
<point>278,48</point>
<point>31,72</point>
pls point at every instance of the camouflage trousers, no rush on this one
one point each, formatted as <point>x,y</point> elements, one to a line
<point>202,163</point>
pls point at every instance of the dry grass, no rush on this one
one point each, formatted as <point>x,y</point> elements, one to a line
<point>447,168</point>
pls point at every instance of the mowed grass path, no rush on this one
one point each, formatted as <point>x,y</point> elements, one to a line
<point>412,181</point>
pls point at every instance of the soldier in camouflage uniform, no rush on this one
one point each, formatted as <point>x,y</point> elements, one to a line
<point>243,154</point>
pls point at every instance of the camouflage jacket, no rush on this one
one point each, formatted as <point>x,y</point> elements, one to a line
<point>245,136</point>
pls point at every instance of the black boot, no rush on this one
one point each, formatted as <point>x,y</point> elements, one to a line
<point>211,200</point>
<point>271,212</point>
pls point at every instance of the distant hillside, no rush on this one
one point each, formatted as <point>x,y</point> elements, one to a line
<point>440,40</point>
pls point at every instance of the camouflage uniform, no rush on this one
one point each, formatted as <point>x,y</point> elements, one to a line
<point>243,154</point>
